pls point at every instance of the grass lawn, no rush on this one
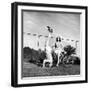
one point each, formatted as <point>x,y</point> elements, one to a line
<point>32,70</point>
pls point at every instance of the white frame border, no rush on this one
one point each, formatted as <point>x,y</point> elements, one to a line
<point>45,79</point>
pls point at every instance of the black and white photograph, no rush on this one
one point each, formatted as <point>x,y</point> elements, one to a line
<point>51,44</point>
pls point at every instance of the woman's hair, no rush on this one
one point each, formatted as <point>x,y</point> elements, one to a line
<point>58,39</point>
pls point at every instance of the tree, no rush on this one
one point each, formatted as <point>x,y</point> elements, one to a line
<point>69,50</point>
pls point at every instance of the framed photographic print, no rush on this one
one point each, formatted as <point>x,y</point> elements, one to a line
<point>49,44</point>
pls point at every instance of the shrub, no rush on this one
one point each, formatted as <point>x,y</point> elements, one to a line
<point>74,60</point>
<point>34,56</point>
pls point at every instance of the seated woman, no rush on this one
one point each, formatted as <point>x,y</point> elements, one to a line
<point>58,48</point>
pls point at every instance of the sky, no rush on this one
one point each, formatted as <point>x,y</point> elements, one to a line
<point>66,25</point>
